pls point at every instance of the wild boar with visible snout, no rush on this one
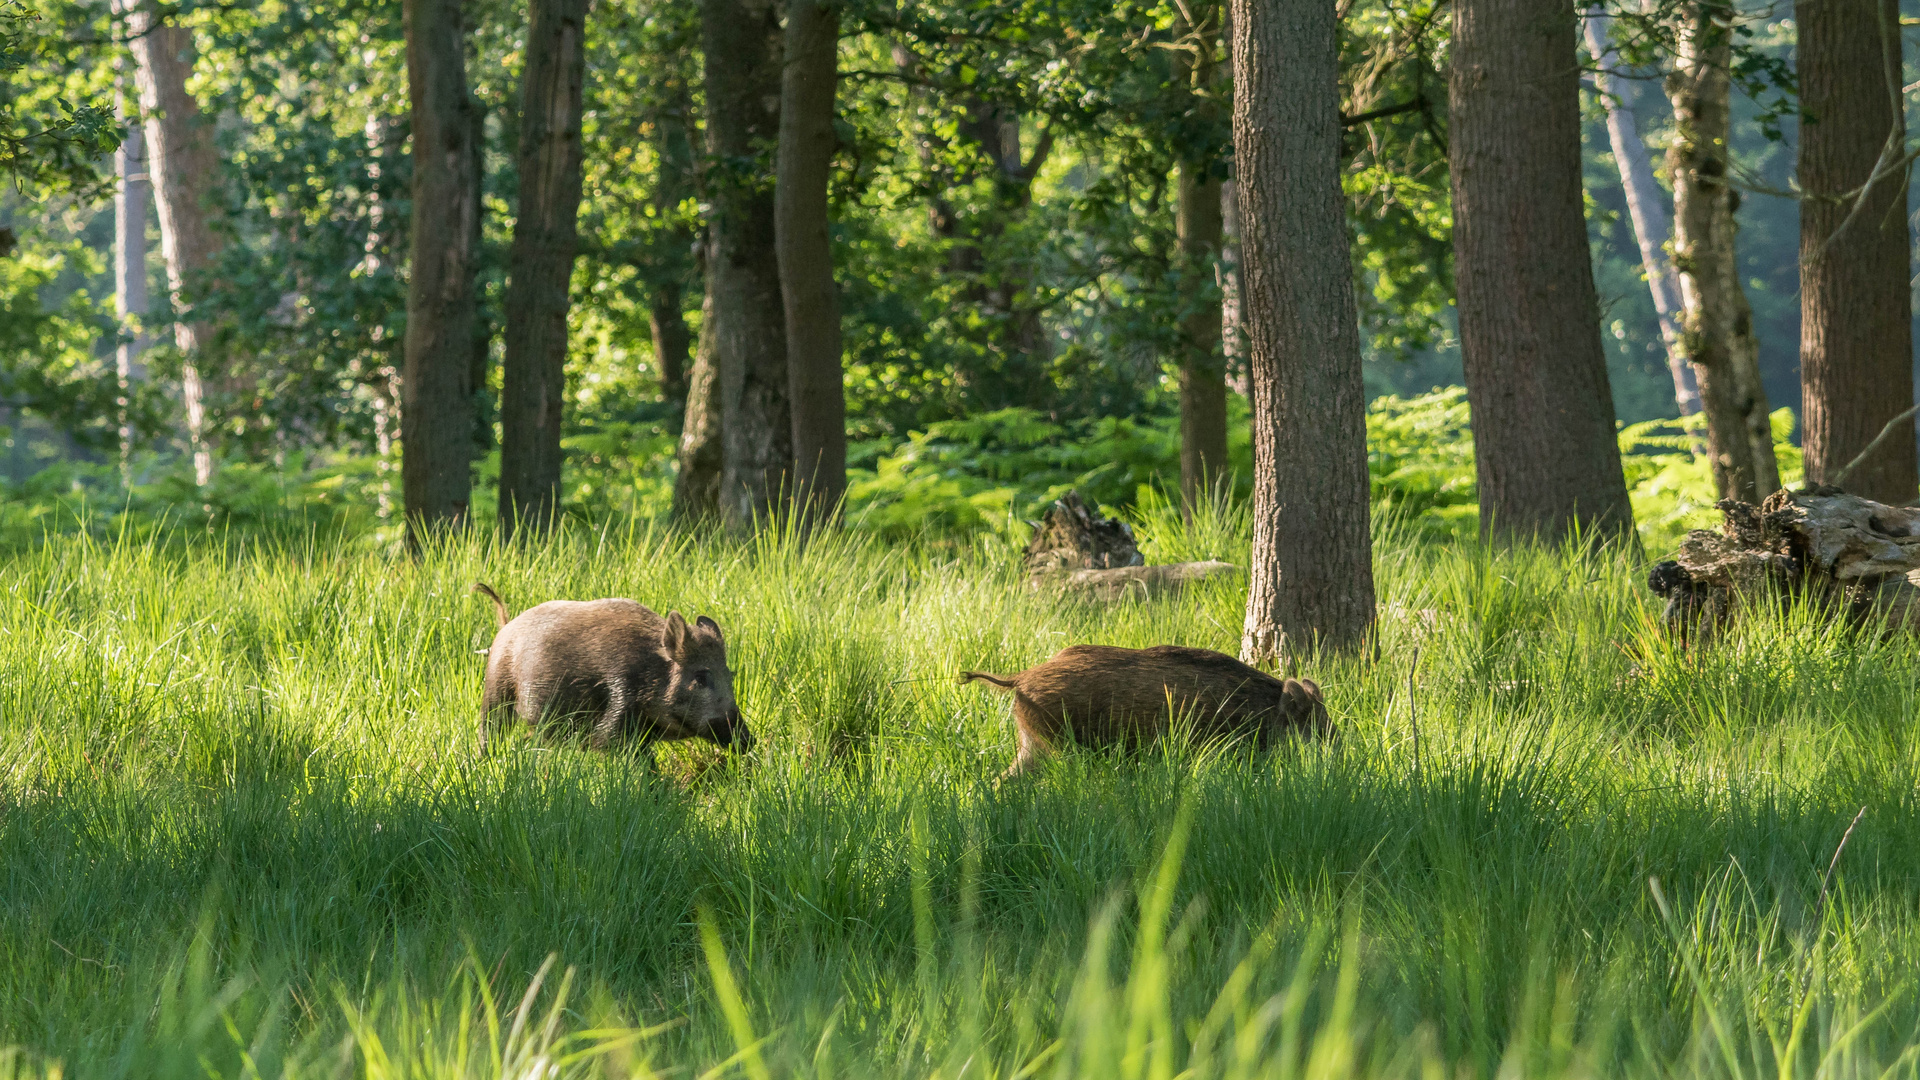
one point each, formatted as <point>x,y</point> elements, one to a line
<point>610,672</point>
<point>1100,695</point>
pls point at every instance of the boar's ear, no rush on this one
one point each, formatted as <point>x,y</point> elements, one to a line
<point>713,628</point>
<point>676,636</point>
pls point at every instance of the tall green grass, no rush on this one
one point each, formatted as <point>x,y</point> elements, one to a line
<point>244,830</point>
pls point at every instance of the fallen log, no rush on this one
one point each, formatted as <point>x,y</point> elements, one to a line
<point>1138,582</point>
<point>1860,557</point>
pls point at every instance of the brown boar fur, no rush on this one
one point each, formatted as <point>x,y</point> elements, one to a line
<point>609,672</point>
<point>1100,695</point>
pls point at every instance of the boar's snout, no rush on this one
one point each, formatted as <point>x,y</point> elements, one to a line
<point>731,731</point>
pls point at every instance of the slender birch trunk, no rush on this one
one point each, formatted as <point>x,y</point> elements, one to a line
<point>1718,324</point>
<point>130,203</point>
<point>1645,205</point>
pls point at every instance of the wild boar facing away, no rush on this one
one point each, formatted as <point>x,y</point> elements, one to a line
<point>610,672</point>
<point>1101,695</point>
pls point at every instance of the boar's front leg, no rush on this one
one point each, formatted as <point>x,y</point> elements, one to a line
<point>612,723</point>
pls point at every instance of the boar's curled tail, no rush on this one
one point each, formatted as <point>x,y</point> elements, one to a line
<point>501,615</point>
<point>969,676</point>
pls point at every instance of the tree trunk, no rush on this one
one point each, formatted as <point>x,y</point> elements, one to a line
<point>1718,332</point>
<point>1547,459</point>
<point>816,378</point>
<point>1197,222</point>
<point>1311,564</point>
<point>696,489</point>
<point>1856,347</point>
<point>1645,204</point>
<point>130,202</point>
<point>1232,338</point>
<point>436,414</point>
<point>741,369</point>
<point>545,241</point>
<point>182,164</point>
<point>666,312</point>
<point>671,340</point>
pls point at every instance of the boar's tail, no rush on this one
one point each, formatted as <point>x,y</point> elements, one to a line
<point>500,613</point>
<point>969,676</point>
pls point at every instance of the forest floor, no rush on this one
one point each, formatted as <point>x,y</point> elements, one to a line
<point>245,831</point>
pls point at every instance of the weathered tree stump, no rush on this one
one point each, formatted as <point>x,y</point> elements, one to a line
<point>1077,551</point>
<point>1860,557</point>
<point>1071,536</point>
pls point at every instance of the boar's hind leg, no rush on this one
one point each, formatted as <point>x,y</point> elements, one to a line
<point>1025,759</point>
<point>493,706</point>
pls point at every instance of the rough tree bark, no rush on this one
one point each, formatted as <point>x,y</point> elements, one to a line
<point>1197,223</point>
<point>1547,460</point>
<point>130,202</point>
<point>816,379</point>
<point>436,412</point>
<point>737,396</point>
<point>1312,572</point>
<point>1645,204</point>
<point>182,163</point>
<point>545,243</point>
<point>1856,347</point>
<point>1717,333</point>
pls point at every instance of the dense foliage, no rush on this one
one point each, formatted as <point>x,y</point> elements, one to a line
<point>1004,231</point>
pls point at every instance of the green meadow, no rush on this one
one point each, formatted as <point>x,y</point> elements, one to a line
<point>245,830</point>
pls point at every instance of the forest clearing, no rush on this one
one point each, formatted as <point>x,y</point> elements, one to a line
<point>1057,539</point>
<point>247,830</point>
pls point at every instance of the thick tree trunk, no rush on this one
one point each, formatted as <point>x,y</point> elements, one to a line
<point>545,242</point>
<point>130,202</point>
<point>1718,325</point>
<point>741,368</point>
<point>1856,347</point>
<point>1547,460</point>
<point>1312,571</point>
<point>816,378</point>
<point>436,413</point>
<point>182,163</point>
<point>1197,223</point>
<point>1645,205</point>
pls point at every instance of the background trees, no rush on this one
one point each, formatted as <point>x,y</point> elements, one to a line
<point>1015,201</point>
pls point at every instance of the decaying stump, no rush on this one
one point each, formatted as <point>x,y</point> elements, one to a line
<point>1071,536</point>
<point>1076,550</point>
<point>1859,556</point>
